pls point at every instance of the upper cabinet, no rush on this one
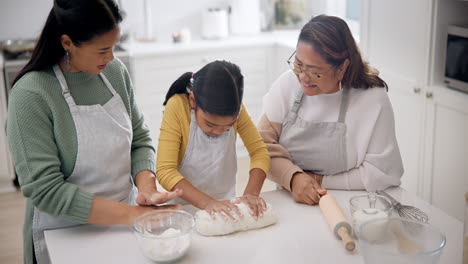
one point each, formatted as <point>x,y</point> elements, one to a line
<point>399,37</point>
<point>406,42</point>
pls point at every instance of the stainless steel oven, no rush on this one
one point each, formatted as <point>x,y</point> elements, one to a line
<point>14,64</point>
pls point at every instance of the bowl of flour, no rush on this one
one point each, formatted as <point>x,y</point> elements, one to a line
<point>363,210</point>
<point>164,235</point>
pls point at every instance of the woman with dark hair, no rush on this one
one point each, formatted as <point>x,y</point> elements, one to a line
<point>328,122</point>
<point>77,138</point>
<point>197,145</point>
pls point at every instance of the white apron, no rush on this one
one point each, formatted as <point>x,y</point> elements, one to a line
<point>210,163</point>
<point>319,147</point>
<point>103,162</point>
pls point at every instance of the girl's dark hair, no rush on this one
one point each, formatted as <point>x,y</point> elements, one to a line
<point>218,88</point>
<point>332,39</point>
<point>81,20</point>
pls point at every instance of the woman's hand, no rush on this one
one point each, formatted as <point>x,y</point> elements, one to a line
<point>305,188</point>
<point>255,203</point>
<point>152,197</point>
<point>147,194</point>
<point>224,208</point>
<point>108,212</point>
<point>318,178</point>
<point>136,211</point>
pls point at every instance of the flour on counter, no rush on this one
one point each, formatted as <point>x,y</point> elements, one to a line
<point>167,246</point>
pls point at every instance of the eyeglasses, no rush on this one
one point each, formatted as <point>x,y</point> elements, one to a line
<point>298,70</point>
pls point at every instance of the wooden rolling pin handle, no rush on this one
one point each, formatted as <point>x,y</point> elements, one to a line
<point>348,241</point>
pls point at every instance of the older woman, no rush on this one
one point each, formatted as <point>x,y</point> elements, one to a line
<point>328,122</point>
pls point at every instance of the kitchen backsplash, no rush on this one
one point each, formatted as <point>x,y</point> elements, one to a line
<point>167,16</point>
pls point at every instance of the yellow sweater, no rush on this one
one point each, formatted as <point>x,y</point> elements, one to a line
<point>174,136</point>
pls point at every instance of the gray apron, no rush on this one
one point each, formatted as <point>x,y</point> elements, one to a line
<point>103,163</point>
<point>210,163</point>
<point>319,147</point>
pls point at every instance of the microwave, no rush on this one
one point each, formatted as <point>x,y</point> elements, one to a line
<point>456,58</point>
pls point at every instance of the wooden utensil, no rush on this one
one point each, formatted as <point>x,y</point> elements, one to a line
<point>337,221</point>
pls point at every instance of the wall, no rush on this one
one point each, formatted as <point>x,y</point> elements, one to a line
<point>23,18</point>
<point>168,16</point>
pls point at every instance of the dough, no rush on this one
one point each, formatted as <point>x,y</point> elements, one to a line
<point>206,226</point>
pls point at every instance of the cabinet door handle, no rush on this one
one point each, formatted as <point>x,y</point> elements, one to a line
<point>429,95</point>
<point>417,90</point>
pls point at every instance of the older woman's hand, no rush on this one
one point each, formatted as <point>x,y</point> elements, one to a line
<point>305,188</point>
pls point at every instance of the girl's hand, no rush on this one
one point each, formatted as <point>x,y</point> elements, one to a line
<point>223,208</point>
<point>255,203</point>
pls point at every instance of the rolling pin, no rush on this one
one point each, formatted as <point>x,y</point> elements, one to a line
<point>337,221</point>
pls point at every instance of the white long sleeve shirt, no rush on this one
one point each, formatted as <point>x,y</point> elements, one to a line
<point>373,156</point>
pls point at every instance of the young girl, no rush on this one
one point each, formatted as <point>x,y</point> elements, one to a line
<point>197,145</point>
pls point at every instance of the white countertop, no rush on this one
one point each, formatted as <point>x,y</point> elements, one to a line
<point>300,236</point>
<point>282,37</point>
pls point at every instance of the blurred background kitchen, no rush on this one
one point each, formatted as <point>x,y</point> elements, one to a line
<point>417,46</point>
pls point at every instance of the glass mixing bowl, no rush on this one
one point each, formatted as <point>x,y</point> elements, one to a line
<point>164,235</point>
<point>402,241</point>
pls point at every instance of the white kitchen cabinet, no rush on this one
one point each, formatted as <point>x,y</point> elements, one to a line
<point>154,74</point>
<point>408,107</point>
<point>446,170</point>
<point>406,42</point>
<point>398,44</point>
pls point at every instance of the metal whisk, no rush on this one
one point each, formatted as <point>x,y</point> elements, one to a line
<point>407,211</point>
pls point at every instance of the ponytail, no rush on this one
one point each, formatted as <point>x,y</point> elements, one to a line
<point>218,88</point>
<point>179,86</point>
